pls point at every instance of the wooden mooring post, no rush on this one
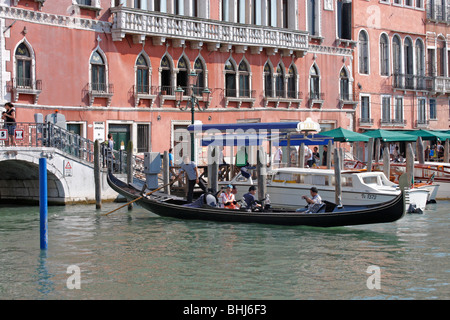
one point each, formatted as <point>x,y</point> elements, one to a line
<point>386,163</point>
<point>213,168</point>
<point>130,163</point>
<point>166,172</point>
<point>337,178</point>
<point>97,175</point>
<point>261,170</point>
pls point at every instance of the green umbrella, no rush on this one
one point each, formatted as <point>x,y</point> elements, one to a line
<point>389,135</point>
<point>344,135</point>
<point>429,135</point>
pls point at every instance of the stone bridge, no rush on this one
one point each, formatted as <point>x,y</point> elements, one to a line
<point>70,179</point>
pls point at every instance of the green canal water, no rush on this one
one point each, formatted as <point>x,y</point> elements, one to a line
<point>138,255</point>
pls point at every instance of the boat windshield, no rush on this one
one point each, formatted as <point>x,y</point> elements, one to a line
<point>372,180</point>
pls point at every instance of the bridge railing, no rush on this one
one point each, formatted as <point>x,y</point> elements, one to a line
<point>30,134</point>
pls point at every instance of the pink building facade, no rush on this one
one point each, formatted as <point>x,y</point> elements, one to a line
<point>114,65</point>
<point>401,64</point>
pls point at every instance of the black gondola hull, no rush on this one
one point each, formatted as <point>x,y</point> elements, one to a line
<point>384,213</point>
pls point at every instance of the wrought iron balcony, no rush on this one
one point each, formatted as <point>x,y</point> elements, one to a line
<point>161,26</point>
<point>348,99</point>
<point>25,86</point>
<point>365,121</point>
<point>239,96</point>
<point>422,123</point>
<point>285,98</point>
<point>316,98</point>
<point>144,92</point>
<point>100,90</point>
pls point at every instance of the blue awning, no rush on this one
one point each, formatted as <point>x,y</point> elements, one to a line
<point>223,127</point>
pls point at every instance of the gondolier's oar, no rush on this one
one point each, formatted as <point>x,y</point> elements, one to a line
<point>147,194</point>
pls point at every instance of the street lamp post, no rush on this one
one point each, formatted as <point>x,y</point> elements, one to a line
<point>192,102</point>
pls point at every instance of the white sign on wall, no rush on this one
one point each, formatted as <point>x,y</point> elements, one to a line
<point>99,131</point>
<point>68,170</point>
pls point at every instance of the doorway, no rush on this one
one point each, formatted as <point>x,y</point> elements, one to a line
<point>121,135</point>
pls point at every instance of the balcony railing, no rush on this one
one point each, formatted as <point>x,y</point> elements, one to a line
<point>438,12</point>
<point>365,121</point>
<point>441,84</point>
<point>25,86</point>
<point>144,92</point>
<point>393,122</point>
<point>142,23</point>
<point>412,82</point>
<point>240,96</point>
<point>100,90</point>
<point>422,123</point>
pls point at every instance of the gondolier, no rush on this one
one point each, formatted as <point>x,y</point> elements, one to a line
<point>191,170</point>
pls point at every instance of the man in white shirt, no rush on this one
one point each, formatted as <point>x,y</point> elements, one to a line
<point>315,199</point>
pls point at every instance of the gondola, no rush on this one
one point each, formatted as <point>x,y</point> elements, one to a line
<point>328,216</point>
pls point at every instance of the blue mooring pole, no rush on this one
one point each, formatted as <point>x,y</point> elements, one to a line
<point>43,203</point>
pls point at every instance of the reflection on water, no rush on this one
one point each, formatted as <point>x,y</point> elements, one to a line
<point>138,255</point>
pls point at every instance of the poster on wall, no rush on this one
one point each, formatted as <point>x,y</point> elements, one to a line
<point>99,131</point>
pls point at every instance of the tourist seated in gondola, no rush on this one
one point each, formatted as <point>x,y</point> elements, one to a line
<point>207,199</point>
<point>250,199</point>
<point>227,199</point>
<point>314,203</point>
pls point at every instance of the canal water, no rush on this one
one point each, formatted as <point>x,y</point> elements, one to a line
<point>138,255</point>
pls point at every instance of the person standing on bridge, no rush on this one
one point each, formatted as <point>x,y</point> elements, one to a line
<point>110,152</point>
<point>10,121</point>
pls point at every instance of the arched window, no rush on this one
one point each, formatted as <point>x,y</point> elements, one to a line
<point>183,74</point>
<point>420,58</point>
<point>314,81</point>
<point>23,66</point>
<point>142,75</point>
<point>344,84</point>
<point>244,80</point>
<point>384,55</point>
<point>409,64</point>
<point>200,70</point>
<point>166,76</point>
<point>396,55</point>
<point>441,56</point>
<point>268,83</point>
<point>363,49</point>
<point>420,65</point>
<point>98,72</point>
<point>279,81</point>
<point>230,79</point>
<point>292,83</point>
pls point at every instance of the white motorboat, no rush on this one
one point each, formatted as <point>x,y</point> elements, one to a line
<point>286,186</point>
<point>436,172</point>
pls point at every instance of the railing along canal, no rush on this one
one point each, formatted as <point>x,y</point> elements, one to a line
<point>30,134</point>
